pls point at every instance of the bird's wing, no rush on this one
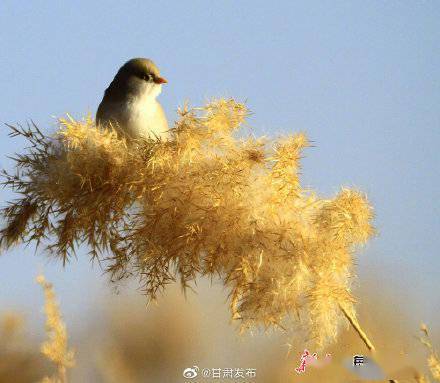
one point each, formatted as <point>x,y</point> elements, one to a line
<point>102,113</point>
<point>110,112</point>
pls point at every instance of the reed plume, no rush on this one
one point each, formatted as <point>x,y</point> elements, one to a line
<point>55,348</point>
<point>433,357</point>
<point>204,202</point>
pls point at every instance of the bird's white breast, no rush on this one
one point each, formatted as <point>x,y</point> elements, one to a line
<point>142,115</point>
<point>145,117</point>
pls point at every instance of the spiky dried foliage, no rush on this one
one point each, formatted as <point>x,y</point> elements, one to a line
<point>433,358</point>
<point>205,202</point>
<point>55,348</point>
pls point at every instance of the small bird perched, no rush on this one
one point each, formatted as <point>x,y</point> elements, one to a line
<point>129,103</point>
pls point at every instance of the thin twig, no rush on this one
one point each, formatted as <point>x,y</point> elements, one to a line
<point>358,328</point>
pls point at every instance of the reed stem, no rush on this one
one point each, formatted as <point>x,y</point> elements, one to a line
<point>357,328</point>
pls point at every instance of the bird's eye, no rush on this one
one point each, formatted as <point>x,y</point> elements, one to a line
<point>146,77</point>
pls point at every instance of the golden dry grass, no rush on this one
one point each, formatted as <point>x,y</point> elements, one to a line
<point>157,344</point>
<point>139,346</point>
<point>55,348</point>
<point>204,202</point>
<point>433,357</point>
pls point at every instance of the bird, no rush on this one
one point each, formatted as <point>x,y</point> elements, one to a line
<point>129,103</point>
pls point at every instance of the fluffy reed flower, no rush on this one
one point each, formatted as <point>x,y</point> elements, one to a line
<point>433,358</point>
<point>55,349</point>
<point>205,202</point>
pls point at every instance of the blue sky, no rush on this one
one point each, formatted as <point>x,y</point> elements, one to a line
<point>361,78</point>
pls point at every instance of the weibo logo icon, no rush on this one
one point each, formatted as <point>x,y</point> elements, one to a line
<point>190,372</point>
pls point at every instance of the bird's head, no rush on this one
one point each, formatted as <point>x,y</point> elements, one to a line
<point>139,76</point>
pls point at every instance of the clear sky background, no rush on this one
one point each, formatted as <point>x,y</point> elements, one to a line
<point>361,78</point>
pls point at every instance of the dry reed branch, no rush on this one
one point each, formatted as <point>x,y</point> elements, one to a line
<point>55,349</point>
<point>205,202</point>
<point>358,329</point>
<point>433,358</point>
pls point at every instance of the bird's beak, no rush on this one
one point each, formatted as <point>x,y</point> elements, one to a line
<point>160,80</point>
